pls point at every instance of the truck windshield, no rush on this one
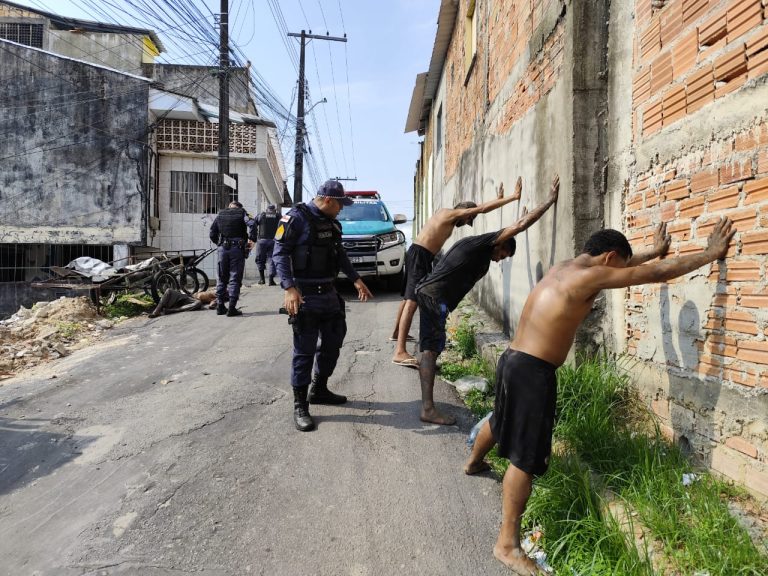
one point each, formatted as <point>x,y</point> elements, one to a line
<point>364,211</point>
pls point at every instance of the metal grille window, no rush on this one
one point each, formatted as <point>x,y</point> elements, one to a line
<point>27,262</point>
<point>196,193</point>
<point>27,34</point>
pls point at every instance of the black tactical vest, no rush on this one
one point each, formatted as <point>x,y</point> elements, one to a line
<point>268,225</point>
<point>232,224</point>
<point>319,258</point>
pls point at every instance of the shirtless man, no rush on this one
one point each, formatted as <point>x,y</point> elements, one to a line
<point>441,291</point>
<point>418,260</point>
<point>526,385</point>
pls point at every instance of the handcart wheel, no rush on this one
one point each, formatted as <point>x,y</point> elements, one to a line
<point>202,280</point>
<point>188,281</point>
<point>161,283</point>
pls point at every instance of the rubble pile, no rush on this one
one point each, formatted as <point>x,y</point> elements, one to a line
<point>46,331</point>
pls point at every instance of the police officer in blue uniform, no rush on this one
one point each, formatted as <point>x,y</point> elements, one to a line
<point>308,255</point>
<point>230,232</point>
<point>263,233</point>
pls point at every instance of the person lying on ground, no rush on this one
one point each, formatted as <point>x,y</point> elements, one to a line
<point>441,291</point>
<point>421,254</point>
<point>526,385</point>
<point>174,301</point>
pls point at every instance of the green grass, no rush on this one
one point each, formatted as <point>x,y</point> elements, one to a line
<point>608,445</point>
<point>68,330</point>
<point>464,340</point>
<point>128,305</point>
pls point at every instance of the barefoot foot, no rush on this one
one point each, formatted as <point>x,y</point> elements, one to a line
<point>435,417</point>
<point>476,467</point>
<point>518,561</point>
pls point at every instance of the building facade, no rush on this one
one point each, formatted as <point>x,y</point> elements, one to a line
<point>650,111</point>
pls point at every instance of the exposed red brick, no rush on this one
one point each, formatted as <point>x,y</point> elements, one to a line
<point>650,40</point>
<point>752,297</point>
<point>739,170</point>
<point>709,366</point>
<point>679,231</point>
<point>742,16</point>
<point>673,105</point>
<point>661,72</point>
<point>754,243</point>
<point>720,344</point>
<point>744,219</point>
<point>730,65</point>
<point>704,180</point>
<point>744,141</point>
<point>742,445</point>
<point>693,9</point>
<point>713,30</point>
<point>641,87</point>
<point>756,191</point>
<point>753,351</point>
<point>684,54</point>
<point>671,22</point>
<point>742,271</point>
<point>652,118</point>
<point>742,322</point>
<point>723,89</point>
<point>757,53</point>
<point>740,374</point>
<point>723,199</point>
<point>676,189</point>
<point>762,162</point>
<point>668,210</point>
<point>700,88</point>
<point>692,207</point>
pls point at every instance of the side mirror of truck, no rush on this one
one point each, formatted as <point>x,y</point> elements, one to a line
<point>400,219</point>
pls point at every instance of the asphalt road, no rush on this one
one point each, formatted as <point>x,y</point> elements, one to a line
<point>169,449</point>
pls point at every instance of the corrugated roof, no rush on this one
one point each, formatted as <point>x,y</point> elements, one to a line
<point>417,103</point>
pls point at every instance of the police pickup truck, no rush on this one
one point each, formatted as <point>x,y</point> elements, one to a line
<point>374,245</point>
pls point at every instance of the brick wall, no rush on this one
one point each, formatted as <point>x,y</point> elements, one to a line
<point>690,59</point>
<point>690,53</point>
<point>519,71</point>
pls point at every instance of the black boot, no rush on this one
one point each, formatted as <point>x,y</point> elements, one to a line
<point>261,277</point>
<point>301,416</point>
<point>232,310</point>
<point>221,309</point>
<point>319,394</point>
<point>272,281</point>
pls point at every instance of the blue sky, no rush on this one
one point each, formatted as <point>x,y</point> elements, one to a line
<point>360,129</point>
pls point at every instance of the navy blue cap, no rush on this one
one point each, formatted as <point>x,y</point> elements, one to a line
<point>334,189</point>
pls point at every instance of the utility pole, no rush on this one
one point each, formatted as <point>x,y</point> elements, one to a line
<point>298,166</point>
<point>223,104</point>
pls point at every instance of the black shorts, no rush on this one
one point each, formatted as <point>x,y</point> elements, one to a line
<point>418,263</point>
<point>432,317</point>
<point>524,411</point>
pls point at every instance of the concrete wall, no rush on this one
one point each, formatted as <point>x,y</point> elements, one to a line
<point>689,144</point>
<point>190,231</point>
<point>73,159</point>
<point>200,82</point>
<point>123,52</point>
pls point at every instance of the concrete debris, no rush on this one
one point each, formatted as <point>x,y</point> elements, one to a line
<point>46,331</point>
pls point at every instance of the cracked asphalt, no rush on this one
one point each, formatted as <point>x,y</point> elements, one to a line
<point>169,448</point>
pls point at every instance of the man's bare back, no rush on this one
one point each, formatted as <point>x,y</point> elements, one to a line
<point>563,298</point>
<point>442,224</point>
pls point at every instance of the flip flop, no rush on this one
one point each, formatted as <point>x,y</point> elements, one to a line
<point>409,363</point>
<point>408,339</point>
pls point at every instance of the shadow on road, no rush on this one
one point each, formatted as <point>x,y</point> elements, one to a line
<point>398,415</point>
<point>27,452</point>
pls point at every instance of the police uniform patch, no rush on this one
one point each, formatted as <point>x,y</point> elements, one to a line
<point>280,232</point>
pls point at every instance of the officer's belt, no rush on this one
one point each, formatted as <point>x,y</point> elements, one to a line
<point>316,288</point>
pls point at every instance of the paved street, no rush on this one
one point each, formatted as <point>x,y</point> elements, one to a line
<point>169,448</point>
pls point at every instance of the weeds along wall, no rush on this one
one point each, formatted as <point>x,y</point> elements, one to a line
<point>649,110</point>
<point>688,144</point>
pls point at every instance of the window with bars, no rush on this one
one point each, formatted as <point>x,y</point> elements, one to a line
<point>196,192</point>
<point>27,34</point>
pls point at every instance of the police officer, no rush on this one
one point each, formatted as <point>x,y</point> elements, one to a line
<point>263,233</point>
<point>230,232</point>
<point>308,255</point>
